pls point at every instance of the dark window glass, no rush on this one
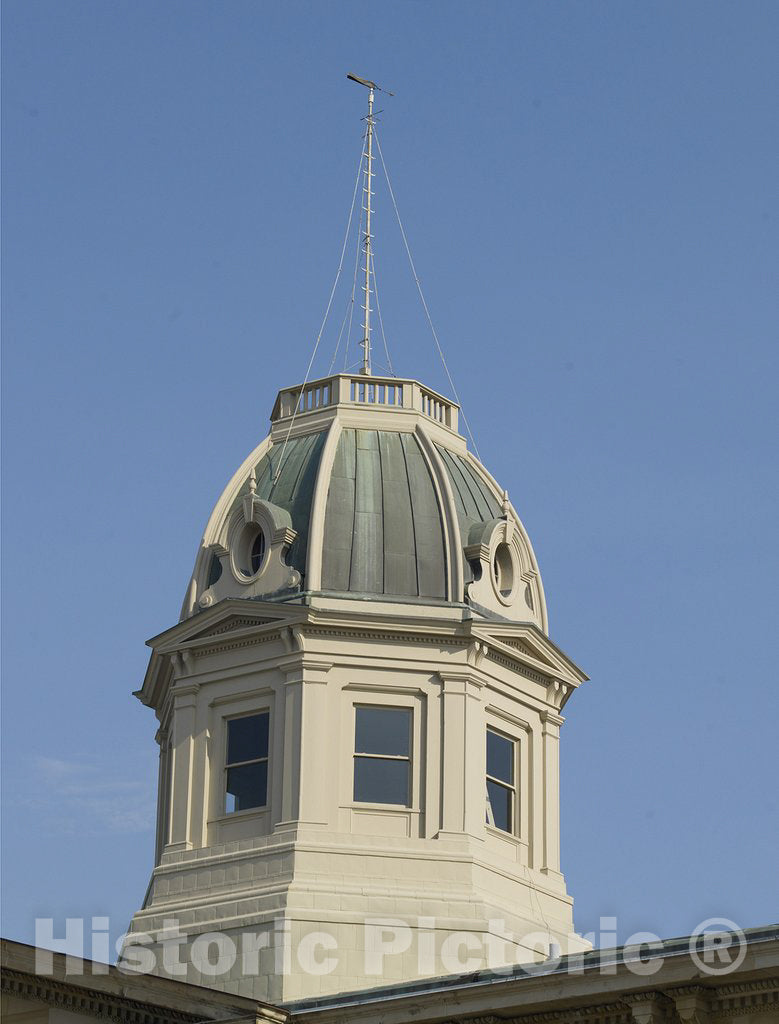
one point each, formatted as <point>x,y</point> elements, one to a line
<point>214,570</point>
<point>501,800</point>
<point>500,757</point>
<point>247,762</point>
<point>382,761</point>
<point>247,786</point>
<point>247,738</point>
<point>258,552</point>
<point>383,731</point>
<point>380,780</point>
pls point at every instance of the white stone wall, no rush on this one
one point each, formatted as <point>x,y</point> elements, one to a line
<point>313,861</point>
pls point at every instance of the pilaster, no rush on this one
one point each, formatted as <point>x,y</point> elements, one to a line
<point>306,743</point>
<point>463,757</point>
<point>550,753</point>
<point>183,748</point>
<point>163,793</point>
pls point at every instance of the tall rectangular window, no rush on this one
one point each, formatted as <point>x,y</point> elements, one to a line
<point>247,762</point>
<point>382,755</point>
<point>501,785</point>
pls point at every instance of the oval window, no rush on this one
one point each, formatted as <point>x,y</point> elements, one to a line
<point>257,553</point>
<point>503,570</point>
<point>249,550</point>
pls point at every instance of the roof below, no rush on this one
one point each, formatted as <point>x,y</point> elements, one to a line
<point>620,975</point>
<point>670,980</point>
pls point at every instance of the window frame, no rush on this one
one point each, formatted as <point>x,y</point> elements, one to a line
<point>227,765</point>
<point>513,789</point>
<point>408,758</point>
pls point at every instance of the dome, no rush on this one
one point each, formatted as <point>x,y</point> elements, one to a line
<point>365,489</point>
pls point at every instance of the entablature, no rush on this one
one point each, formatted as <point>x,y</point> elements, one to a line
<point>522,649</point>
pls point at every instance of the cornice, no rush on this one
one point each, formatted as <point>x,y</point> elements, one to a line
<point>688,1004</point>
<point>511,663</point>
<point>76,999</point>
<point>298,636</point>
<point>230,616</point>
<point>740,999</point>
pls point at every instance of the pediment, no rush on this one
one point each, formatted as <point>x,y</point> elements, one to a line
<point>529,646</point>
<point>229,616</point>
<point>233,623</point>
<point>530,650</point>
<point>222,624</point>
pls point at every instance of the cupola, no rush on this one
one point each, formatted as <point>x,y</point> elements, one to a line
<point>359,708</point>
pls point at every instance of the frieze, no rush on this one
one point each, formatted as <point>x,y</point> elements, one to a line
<point>519,668</point>
<point>378,636</point>
<point>748,1011</point>
<point>382,636</point>
<point>748,987</point>
<point>748,1003</point>
<point>452,641</point>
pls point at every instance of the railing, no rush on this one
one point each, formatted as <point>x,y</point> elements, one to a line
<point>313,396</point>
<point>436,407</point>
<point>363,389</point>
<point>378,392</point>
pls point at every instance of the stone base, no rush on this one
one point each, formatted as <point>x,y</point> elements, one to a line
<point>297,914</point>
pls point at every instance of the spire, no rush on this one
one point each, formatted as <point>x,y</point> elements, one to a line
<point>367,246</point>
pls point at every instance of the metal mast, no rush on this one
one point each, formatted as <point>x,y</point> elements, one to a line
<point>367,246</point>
<point>366,335</point>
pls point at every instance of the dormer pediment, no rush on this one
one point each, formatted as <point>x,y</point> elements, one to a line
<point>527,646</point>
<point>225,617</point>
<point>222,623</point>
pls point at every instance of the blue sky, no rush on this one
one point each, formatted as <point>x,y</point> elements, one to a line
<point>590,194</point>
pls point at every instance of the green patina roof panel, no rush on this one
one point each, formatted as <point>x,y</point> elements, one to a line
<point>337,553</point>
<point>383,526</point>
<point>473,500</point>
<point>294,488</point>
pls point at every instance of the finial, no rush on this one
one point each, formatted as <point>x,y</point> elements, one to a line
<point>367,246</point>
<point>505,505</point>
<point>252,482</point>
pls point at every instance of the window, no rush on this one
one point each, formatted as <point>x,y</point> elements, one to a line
<point>247,762</point>
<point>214,570</point>
<point>501,787</point>
<point>503,570</point>
<point>382,755</point>
<point>248,551</point>
<point>257,553</point>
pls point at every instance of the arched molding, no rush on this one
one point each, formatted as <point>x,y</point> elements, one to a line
<point>215,523</point>
<point>316,529</point>
<point>529,568</point>
<point>449,521</point>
